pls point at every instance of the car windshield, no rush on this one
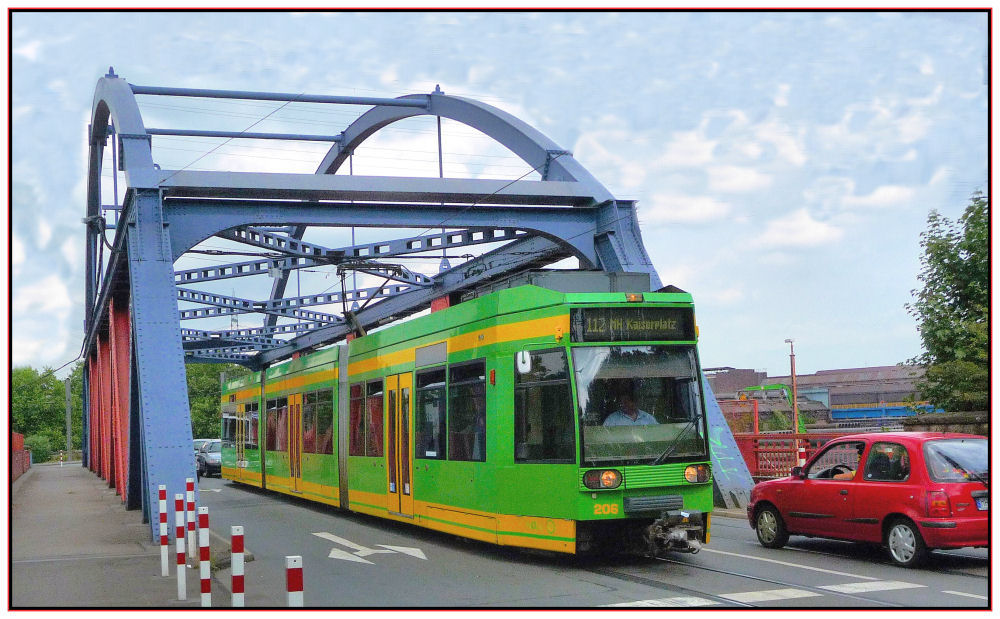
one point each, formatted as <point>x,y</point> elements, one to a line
<point>639,404</point>
<point>957,459</point>
<point>212,447</point>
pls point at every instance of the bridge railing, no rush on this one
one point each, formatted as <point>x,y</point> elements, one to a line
<point>770,456</point>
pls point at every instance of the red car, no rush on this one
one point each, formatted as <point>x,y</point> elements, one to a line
<point>910,491</point>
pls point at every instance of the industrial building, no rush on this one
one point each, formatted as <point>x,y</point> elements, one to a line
<point>848,398</point>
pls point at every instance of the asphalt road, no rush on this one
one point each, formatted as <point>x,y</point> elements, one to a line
<point>353,560</point>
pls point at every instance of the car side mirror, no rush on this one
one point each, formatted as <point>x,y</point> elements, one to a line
<point>798,473</point>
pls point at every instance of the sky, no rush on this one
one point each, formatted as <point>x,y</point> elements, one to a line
<point>784,163</point>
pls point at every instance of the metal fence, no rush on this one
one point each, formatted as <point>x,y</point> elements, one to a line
<point>770,456</point>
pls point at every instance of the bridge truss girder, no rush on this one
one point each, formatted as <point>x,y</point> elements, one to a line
<point>166,214</point>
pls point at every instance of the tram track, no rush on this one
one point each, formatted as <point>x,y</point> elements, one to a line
<point>674,588</point>
<point>780,583</point>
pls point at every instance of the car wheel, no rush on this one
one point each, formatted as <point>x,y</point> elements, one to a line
<point>906,546</point>
<point>771,531</point>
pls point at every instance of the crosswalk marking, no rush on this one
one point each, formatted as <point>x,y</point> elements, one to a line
<point>865,587</point>
<point>968,595</point>
<point>665,602</point>
<point>771,594</point>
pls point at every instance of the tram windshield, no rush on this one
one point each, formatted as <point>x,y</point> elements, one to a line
<point>639,404</point>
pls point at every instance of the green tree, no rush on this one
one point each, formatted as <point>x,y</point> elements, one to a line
<point>952,308</point>
<point>204,392</point>
<point>38,404</point>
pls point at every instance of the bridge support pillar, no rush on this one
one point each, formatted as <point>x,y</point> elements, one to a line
<point>160,385</point>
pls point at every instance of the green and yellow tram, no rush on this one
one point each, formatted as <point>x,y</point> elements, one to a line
<point>569,422</point>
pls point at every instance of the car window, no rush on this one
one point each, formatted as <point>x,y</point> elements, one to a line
<point>838,461</point>
<point>957,460</point>
<point>887,462</point>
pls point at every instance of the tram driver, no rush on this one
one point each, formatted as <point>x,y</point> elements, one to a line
<point>628,413</point>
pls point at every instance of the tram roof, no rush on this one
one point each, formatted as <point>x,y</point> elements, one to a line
<point>499,303</point>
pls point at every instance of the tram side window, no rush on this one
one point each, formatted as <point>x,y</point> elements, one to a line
<point>357,443</point>
<point>543,410</point>
<point>252,412</point>
<point>375,408</point>
<point>429,416</point>
<point>228,425</point>
<point>309,423</point>
<point>467,411</point>
<point>276,425</point>
<point>324,421</point>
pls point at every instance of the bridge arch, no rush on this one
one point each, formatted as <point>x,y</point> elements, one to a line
<point>137,416</point>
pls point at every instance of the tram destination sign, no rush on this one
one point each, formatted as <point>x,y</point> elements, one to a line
<point>639,324</point>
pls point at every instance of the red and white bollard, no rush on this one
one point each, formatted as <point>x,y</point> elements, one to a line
<point>293,580</point>
<point>802,455</point>
<point>204,557</point>
<point>236,534</point>
<point>164,538</point>
<point>192,540</point>
<point>181,568</point>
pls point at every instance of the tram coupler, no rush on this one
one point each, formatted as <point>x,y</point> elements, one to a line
<point>676,531</point>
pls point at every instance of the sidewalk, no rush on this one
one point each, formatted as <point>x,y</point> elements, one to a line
<point>74,545</point>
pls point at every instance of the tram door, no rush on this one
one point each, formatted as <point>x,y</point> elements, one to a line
<point>240,440</point>
<point>399,459</point>
<point>295,440</point>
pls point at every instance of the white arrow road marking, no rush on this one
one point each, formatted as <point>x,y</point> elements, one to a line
<point>371,551</point>
<point>339,540</point>
<point>337,553</point>
<point>211,489</point>
<point>413,552</point>
<point>363,551</point>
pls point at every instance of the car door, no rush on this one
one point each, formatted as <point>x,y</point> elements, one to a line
<point>822,503</point>
<point>885,487</point>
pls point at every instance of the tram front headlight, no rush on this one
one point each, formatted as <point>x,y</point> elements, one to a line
<point>696,473</point>
<point>602,479</point>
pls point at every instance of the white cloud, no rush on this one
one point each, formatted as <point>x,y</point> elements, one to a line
<point>724,296</point>
<point>686,149</point>
<point>44,232</point>
<point>787,142</point>
<point>20,111</point>
<point>72,252</point>
<point>884,196</point>
<point>41,312</point>
<point>29,50</point>
<point>677,208</point>
<point>736,179</point>
<point>781,98</point>
<point>927,67</point>
<point>797,230</point>
<point>18,255</point>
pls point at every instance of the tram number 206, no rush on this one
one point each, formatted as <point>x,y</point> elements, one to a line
<point>605,508</point>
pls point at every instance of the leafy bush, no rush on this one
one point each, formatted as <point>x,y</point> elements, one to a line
<point>40,446</point>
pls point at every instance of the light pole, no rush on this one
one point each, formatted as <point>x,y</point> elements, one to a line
<point>799,451</point>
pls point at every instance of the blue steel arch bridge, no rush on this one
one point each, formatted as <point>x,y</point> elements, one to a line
<point>153,303</point>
